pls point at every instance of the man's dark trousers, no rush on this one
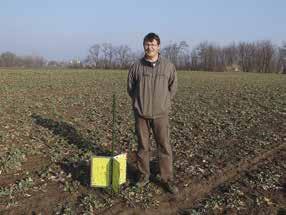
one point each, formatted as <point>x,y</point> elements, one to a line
<point>160,129</point>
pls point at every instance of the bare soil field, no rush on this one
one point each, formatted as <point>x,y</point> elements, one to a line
<point>228,132</point>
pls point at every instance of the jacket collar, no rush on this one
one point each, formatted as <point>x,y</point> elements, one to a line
<point>151,64</point>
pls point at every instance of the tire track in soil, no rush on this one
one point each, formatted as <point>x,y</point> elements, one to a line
<point>197,189</point>
<point>32,165</point>
<point>41,203</point>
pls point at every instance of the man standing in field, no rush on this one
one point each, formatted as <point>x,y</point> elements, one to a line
<point>152,83</point>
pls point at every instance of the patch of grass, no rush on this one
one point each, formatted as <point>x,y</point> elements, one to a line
<point>20,186</point>
<point>12,159</point>
<point>92,202</point>
<point>65,209</point>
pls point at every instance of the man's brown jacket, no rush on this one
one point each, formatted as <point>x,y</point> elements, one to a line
<point>151,87</point>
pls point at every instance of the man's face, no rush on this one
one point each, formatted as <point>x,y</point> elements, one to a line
<point>151,48</point>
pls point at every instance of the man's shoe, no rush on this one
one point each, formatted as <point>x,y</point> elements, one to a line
<point>143,181</point>
<point>170,187</point>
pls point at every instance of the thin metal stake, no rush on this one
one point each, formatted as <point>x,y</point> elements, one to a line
<point>113,123</point>
<point>113,137</point>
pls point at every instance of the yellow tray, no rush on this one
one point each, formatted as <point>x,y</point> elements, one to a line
<point>106,171</point>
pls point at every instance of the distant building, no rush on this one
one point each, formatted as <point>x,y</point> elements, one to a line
<point>75,63</point>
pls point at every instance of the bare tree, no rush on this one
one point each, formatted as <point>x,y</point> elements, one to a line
<point>194,60</point>
<point>206,56</point>
<point>264,56</point>
<point>8,59</point>
<point>108,54</point>
<point>93,56</point>
<point>246,53</point>
<point>230,55</point>
<point>177,53</point>
<point>123,53</point>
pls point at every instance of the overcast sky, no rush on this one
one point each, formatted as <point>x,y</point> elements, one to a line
<point>64,29</point>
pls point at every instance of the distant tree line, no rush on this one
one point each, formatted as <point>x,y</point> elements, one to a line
<point>259,56</point>
<point>9,59</point>
<point>108,56</point>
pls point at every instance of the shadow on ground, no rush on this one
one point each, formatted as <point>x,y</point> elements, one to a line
<point>80,170</point>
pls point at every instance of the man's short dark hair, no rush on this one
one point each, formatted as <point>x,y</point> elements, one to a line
<point>150,37</point>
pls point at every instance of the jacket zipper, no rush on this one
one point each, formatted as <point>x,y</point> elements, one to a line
<point>154,73</point>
